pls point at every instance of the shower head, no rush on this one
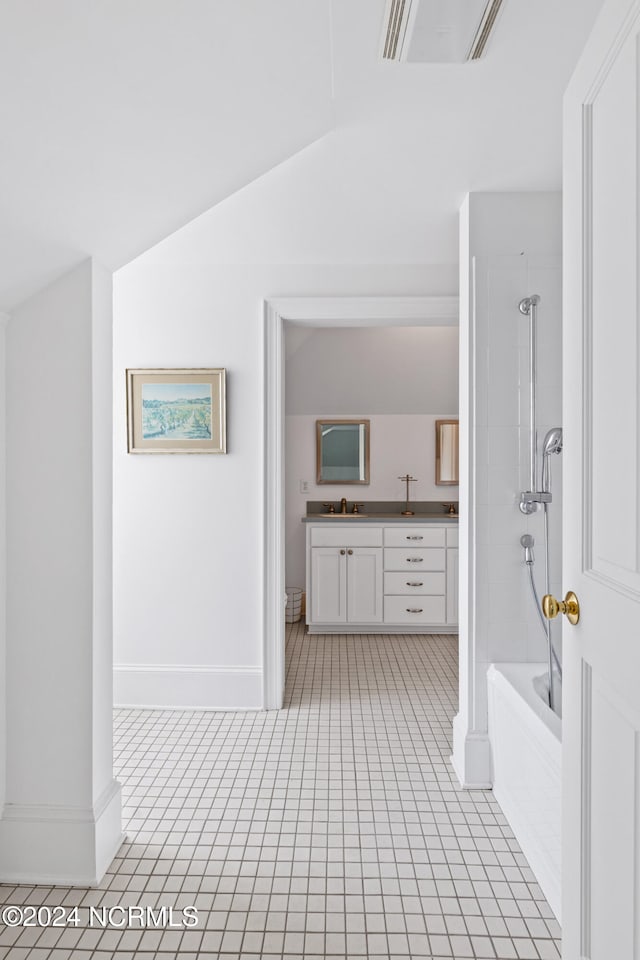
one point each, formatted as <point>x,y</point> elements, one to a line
<point>527,542</point>
<point>552,442</point>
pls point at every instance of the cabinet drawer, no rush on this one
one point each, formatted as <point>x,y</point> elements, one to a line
<point>414,558</point>
<point>414,583</point>
<point>346,535</point>
<point>452,536</point>
<point>422,536</point>
<point>414,610</point>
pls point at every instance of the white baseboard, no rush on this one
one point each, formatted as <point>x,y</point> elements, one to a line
<point>471,759</point>
<point>69,846</point>
<point>187,687</point>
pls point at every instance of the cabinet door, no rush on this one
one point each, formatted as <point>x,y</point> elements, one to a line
<point>364,585</point>
<point>452,585</point>
<point>328,585</point>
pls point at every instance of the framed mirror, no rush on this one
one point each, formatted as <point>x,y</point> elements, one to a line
<point>447,472</point>
<point>342,451</point>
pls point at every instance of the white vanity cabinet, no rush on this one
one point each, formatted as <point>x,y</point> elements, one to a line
<point>344,575</point>
<point>392,577</point>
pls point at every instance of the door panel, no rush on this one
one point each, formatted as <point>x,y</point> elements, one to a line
<point>364,585</point>
<point>612,320</point>
<point>601,536</point>
<point>328,585</point>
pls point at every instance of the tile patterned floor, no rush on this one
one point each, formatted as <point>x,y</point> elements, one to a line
<point>331,829</point>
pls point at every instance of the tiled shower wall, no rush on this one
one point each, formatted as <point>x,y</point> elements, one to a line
<point>510,249</point>
<point>507,624</point>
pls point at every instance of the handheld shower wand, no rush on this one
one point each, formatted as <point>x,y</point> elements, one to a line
<point>552,444</point>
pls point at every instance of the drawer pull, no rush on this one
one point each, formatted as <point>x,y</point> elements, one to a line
<point>416,537</point>
<point>414,559</point>
<point>414,583</point>
<point>414,609</point>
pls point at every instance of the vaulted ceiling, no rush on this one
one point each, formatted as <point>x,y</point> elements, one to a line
<point>121,120</point>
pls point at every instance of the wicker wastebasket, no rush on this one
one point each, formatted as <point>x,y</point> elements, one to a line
<point>293,610</point>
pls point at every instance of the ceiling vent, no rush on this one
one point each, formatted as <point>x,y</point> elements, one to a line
<point>438,31</point>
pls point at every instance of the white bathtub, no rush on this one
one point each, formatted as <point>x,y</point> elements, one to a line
<point>526,749</point>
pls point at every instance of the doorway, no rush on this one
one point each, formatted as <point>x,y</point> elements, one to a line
<point>311,312</point>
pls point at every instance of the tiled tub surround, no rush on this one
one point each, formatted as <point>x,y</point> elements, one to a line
<point>331,829</point>
<point>526,748</point>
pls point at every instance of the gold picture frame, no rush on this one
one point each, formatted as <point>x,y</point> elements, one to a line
<point>176,410</point>
<point>447,453</point>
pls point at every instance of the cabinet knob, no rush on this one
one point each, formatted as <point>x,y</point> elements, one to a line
<point>350,552</point>
<point>342,553</point>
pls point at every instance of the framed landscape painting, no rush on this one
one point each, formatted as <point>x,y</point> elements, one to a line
<point>176,411</point>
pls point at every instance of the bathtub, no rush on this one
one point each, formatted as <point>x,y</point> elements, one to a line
<point>526,751</point>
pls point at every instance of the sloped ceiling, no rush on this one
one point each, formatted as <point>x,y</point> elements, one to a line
<point>385,185</point>
<point>120,120</point>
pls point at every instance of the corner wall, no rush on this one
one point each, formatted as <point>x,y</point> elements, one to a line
<point>510,248</point>
<point>60,822</point>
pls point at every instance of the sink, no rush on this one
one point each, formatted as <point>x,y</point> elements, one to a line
<point>343,516</point>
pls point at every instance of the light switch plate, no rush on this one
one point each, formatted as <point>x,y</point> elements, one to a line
<point>305,486</point>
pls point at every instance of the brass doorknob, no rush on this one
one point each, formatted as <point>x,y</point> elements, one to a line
<point>569,606</point>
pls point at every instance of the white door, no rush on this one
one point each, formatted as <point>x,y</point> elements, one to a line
<point>364,585</point>
<point>328,584</point>
<point>601,531</point>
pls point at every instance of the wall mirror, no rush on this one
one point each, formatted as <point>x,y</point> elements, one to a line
<point>447,472</point>
<point>342,451</point>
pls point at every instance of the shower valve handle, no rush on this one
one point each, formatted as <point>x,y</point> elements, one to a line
<point>569,606</point>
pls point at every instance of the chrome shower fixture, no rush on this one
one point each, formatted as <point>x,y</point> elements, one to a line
<point>552,444</point>
<point>527,542</point>
<point>527,302</point>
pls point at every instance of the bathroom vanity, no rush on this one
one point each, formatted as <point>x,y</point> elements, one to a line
<point>382,573</point>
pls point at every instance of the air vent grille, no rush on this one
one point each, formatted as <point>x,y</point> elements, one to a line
<point>394,29</point>
<point>484,30</point>
<point>438,31</point>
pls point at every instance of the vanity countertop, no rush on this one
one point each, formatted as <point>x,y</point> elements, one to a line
<point>381,518</point>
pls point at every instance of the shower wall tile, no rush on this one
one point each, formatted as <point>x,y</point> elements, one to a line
<point>503,446</point>
<point>503,483</point>
<point>510,249</point>
<point>507,600</point>
<point>512,625</point>
<point>509,641</point>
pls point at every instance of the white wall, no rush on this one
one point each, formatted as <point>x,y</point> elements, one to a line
<point>510,248</point>
<point>61,818</point>
<point>188,626</point>
<point>378,369</point>
<point>400,444</point>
